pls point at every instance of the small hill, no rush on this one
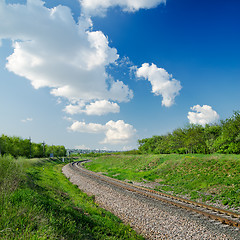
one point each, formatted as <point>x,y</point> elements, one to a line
<point>211,178</point>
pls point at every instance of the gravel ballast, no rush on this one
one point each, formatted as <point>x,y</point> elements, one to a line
<point>150,218</point>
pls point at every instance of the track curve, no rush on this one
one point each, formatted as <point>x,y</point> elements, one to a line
<point>216,214</point>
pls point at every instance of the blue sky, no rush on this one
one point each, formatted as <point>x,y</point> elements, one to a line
<point>102,74</point>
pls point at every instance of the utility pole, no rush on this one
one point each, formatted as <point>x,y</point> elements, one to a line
<point>43,148</point>
<point>30,147</point>
<point>52,151</point>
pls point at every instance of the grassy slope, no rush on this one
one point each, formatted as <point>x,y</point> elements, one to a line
<point>43,204</point>
<point>206,177</point>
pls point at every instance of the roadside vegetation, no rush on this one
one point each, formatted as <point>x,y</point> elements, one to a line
<point>18,147</point>
<point>218,138</point>
<point>213,177</point>
<point>38,202</point>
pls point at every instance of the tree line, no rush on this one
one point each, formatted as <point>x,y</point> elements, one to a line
<point>17,147</point>
<point>216,138</point>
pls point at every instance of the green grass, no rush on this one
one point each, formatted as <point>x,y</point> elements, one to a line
<point>38,202</point>
<point>206,177</point>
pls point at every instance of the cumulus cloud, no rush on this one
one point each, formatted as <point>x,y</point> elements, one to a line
<point>99,108</point>
<point>27,120</point>
<point>202,115</point>
<point>117,132</point>
<point>75,108</point>
<point>102,107</point>
<point>87,128</point>
<point>52,50</point>
<point>162,82</point>
<point>99,7</point>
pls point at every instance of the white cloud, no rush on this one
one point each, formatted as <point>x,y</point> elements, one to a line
<point>102,107</point>
<point>52,50</point>
<point>202,115</point>
<point>87,128</point>
<point>162,82</point>
<point>99,7</point>
<point>27,120</point>
<point>75,108</point>
<point>117,132</point>
<point>99,108</point>
<point>69,119</point>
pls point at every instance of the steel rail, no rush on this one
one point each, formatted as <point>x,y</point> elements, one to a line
<point>163,197</point>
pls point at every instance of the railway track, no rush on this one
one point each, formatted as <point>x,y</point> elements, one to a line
<point>216,214</point>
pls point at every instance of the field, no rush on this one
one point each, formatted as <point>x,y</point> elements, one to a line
<point>38,202</point>
<point>207,178</point>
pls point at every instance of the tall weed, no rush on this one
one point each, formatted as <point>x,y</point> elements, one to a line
<point>11,175</point>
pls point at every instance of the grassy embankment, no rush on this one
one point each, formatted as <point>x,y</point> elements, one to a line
<point>205,177</point>
<point>38,202</point>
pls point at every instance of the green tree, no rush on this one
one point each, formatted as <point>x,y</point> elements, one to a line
<point>212,132</point>
<point>179,139</point>
<point>229,139</point>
